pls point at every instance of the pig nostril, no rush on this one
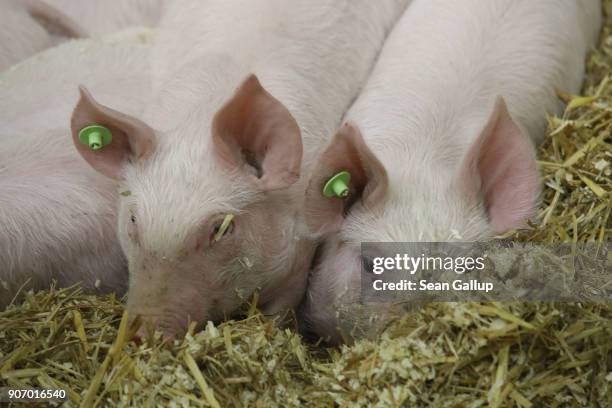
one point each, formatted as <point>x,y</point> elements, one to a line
<point>151,327</point>
<point>143,327</point>
<point>143,334</point>
<point>146,333</point>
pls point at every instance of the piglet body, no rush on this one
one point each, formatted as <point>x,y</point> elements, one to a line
<point>439,142</point>
<point>57,215</point>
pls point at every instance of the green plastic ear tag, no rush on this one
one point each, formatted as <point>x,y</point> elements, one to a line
<point>337,186</point>
<point>95,136</point>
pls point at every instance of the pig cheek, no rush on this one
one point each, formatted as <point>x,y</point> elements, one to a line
<point>202,290</point>
<point>233,287</point>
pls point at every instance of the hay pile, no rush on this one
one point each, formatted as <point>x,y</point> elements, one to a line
<point>527,355</point>
<point>445,355</point>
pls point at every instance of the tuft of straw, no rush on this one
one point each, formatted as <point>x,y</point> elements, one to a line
<point>446,354</point>
<point>576,159</point>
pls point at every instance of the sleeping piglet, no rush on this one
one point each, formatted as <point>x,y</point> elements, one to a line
<point>440,143</point>
<point>246,94</point>
<point>30,26</point>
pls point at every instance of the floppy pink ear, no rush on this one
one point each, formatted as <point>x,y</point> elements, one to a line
<point>131,138</point>
<point>369,182</point>
<point>255,129</point>
<point>501,166</point>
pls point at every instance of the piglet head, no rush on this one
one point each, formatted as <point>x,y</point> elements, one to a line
<point>492,190</point>
<point>207,221</point>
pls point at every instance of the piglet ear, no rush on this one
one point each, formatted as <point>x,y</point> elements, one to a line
<point>369,182</point>
<point>131,138</point>
<point>501,167</point>
<point>255,131</point>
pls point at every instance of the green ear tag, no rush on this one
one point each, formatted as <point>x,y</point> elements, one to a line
<point>337,186</point>
<point>95,136</point>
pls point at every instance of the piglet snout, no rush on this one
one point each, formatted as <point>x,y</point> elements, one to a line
<point>149,325</point>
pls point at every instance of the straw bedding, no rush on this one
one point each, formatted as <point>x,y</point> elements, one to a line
<point>444,355</point>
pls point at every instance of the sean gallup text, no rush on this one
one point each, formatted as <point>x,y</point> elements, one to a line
<point>424,285</point>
